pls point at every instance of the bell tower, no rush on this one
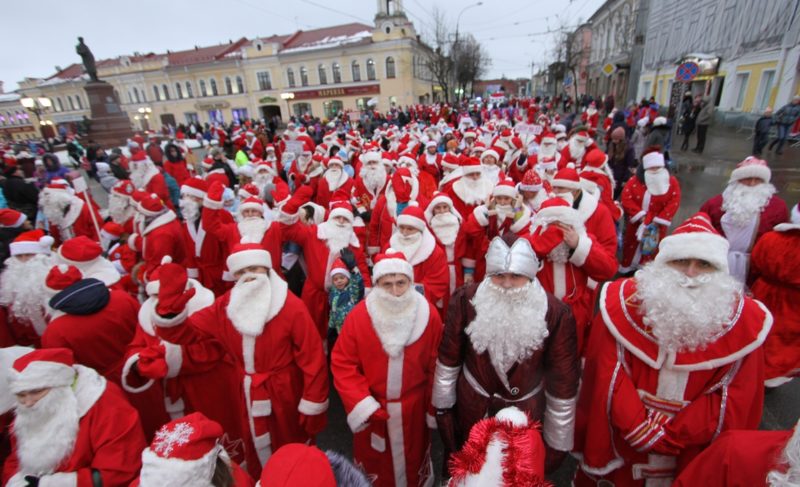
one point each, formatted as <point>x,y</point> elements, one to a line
<point>391,22</point>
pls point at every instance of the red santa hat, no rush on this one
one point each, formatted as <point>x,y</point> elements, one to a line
<point>123,188</point>
<point>439,198</point>
<point>61,276</point>
<point>581,136</point>
<point>651,159</point>
<point>471,165</point>
<point>567,178</point>
<point>341,208</point>
<point>151,205</point>
<point>450,161</point>
<point>31,242</point>
<point>470,133</point>
<point>696,238</point>
<point>7,357</point>
<point>490,152</point>
<point>505,188</point>
<point>548,138</point>
<point>413,217</point>
<point>194,187</point>
<point>561,134</point>
<point>183,452</point>
<point>338,268</point>
<point>752,167</point>
<point>431,143</point>
<point>79,251</point>
<point>154,278</point>
<point>555,209</point>
<point>252,203</point>
<point>391,262</point>
<point>406,161</point>
<point>139,156</point>
<point>42,369</point>
<point>518,459</point>
<point>298,464</point>
<point>595,159</point>
<point>11,218</point>
<point>248,190</point>
<point>336,162</point>
<point>111,230</point>
<point>478,149</point>
<point>280,195</point>
<point>247,255</point>
<point>547,163</point>
<point>530,181</point>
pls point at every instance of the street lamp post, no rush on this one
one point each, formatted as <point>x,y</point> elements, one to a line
<point>38,106</point>
<point>144,117</point>
<point>288,97</point>
<point>455,43</point>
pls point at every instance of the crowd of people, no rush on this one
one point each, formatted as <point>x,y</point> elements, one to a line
<point>492,276</point>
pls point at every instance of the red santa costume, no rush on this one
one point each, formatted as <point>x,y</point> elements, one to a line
<point>468,192</point>
<point>321,245</point>
<point>188,451</point>
<point>489,221</point>
<point>503,451</point>
<point>567,271</point>
<point>743,213</point>
<point>533,190</point>
<point>172,380</point>
<point>650,206</point>
<point>161,234</point>
<point>146,177</point>
<point>675,359</point>
<point>429,260</point>
<point>383,365</point>
<point>548,149</point>
<point>87,256</point>
<point>370,183</point>
<point>306,170</point>
<point>430,160</point>
<point>298,464</point>
<point>445,224</point>
<point>205,252</point>
<point>334,179</point>
<point>775,269</point>
<point>271,339</point>
<point>95,323</point>
<point>254,146</point>
<point>68,215</point>
<point>572,155</point>
<point>7,399</point>
<point>591,118</point>
<point>121,206</point>
<point>400,191</point>
<point>746,458</point>
<point>81,429</point>
<point>22,311</point>
<point>597,178</point>
<point>427,183</point>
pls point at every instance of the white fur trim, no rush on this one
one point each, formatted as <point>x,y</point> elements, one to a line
<point>504,190</point>
<point>173,356</point>
<point>59,479</point>
<point>652,159</point>
<point>582,250</point>
<point>246,258</point>
<point>212,204</point>
<point>251,206</point>
<point>160,221</point>
<point>126,372</point>
<point>696,245</point>
<point>662,221</point>
<point>490,152</point>
<point>524,220</point>
<point>587,206</point>
<point>411,221</point>
<point>168,322</point>
<point>392,266</point>
<point>341,212</point>
<point>566,183</point>
<point>311,408</point>
<point>751,171</point>
<point>481,215</point>
<point>40,375</point>
<point>357,418</point>
<point>42,246</point>
<point>635,218</point>
<point>513,416</point>
<point>188,190</point>
<point>158,471</point>
<point>88,387</point>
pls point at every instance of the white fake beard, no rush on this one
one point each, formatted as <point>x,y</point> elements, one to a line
<point>534,203</point>
<point>46,432</point>
<point>22,289</point>
<point>547,150</point>
<point>504,211</point>
<point>685,313</point>
<point>303,162</point>
<point>138,173</point>
<point>54,205</point>
<point>190,209</point>
<point>392,318</point>
<point>790,457</point>
<point>576,148</point>
<point>335,178</point>
<point>249,304</point>
<point>491,172</point>
<point>119,209</point>
<point>560,254</point>
<point>261,180</point>
<point>472,190</point>
<point>561,144</point>
<point>407,244</point>
<point>657,182</point>
<point>566,196</point>
<point>252,229</point>
<point>743,203</point>
<point>510,324</point>
<point>445,226</point>
<point>374,177</point>
<point>337,236</point>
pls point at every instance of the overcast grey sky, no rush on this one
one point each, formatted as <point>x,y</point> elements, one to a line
<point>39,35</point>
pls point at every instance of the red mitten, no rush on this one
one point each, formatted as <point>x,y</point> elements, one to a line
<point>402,190</point>
<point>313,424</point>
<point>152,363</point>
<point>215,192</point>
<point>544,242</point>
<point>300,197</point>
<point>380,414</point>
<point>172,292</point>
<point>667,445</point>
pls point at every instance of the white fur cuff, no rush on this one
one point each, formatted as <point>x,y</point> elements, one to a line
<point>635,218</point>
<point>212,204</point>
<point>310,408</point>
<point>481,215</point>
<point>61,479</point>
<point>662,221</point>
<point>169,322</point>
<point>357,419</point>
<point>581,252</point>
<point>126,372</point>
<point>173,356</point>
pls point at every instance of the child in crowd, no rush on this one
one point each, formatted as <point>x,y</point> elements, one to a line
<point>347,289</point>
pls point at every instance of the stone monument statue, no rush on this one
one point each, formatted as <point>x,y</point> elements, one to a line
<point>88,59</point>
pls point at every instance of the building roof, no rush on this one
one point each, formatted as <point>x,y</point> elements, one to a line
<point>300,40</point>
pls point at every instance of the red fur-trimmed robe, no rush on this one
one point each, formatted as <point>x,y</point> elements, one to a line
<point>642,208</point>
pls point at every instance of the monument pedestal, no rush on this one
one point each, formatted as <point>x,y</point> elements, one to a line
<point>110,126</point>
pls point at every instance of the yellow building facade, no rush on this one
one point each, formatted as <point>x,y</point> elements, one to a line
<point>321,72</point>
